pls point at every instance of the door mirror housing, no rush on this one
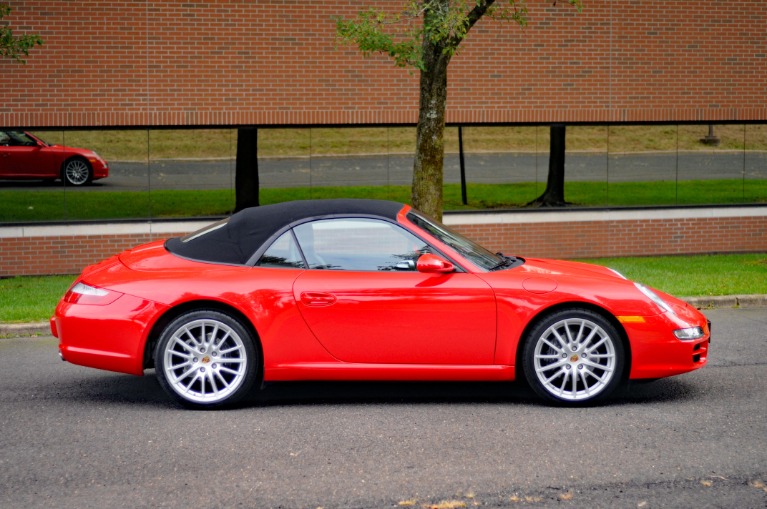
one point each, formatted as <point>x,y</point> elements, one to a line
<point>430,263</point>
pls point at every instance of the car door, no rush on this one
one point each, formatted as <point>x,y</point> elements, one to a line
<point>22,156</point>
<point>365,302</point>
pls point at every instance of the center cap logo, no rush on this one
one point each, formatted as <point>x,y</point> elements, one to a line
<point>574,358</point>
<point>205,359</point>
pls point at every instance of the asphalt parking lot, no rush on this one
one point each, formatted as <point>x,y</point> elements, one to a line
<point>77,437</point>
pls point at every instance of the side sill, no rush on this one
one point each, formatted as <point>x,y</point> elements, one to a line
<point>387,372</point>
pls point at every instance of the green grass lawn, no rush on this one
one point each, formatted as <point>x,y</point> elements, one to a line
<point>33,299</point>
<point>56,205</point>
<point>696,276</point>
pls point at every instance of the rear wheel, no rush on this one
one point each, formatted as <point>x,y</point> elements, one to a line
<point>206,359</point>
<point>76,172</point>
<point>573,356</point>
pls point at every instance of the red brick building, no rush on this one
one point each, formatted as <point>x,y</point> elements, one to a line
<point>128,63</point>
<point>277,62</point>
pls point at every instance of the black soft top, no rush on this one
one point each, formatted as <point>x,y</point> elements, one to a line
<point>235,239</point>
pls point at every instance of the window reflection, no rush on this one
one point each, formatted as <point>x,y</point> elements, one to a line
<point>180,173</point>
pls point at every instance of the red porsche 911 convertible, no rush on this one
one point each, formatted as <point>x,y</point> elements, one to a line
<point>25,156</point>
<point>366,290</point>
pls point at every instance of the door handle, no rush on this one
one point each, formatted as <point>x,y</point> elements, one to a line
<point>318,299</point>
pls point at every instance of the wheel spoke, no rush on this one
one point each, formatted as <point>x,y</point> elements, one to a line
<point>182,344</point>
<point>211,377</point>
<point>232,360</point>
<point>174,367</point>
<point>574,381</point>
<point>222,379</point>
<point>186,373</point>
<point>582,376</point>
<point>569,334</point>
<point>193,339</point>
<point>589,338</point>
<point>580,332</point>
<point>599,343</point>
<point>229,350</point>
<point>188,387</point>
<point>590,363</point>
<point>562,342</point>
<point>560,372</point>
<point>549,367</point>
<point>554,347</point>
<point>202,379</point>
<point>602,380</point>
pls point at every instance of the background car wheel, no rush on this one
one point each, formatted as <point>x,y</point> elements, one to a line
<point>76,172</point>
<point>206,359</point>
<point>573,356</point>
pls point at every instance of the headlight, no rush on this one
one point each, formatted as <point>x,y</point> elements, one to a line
<point>689,333</point>
<point>617,273</point>
<point>654,297</point>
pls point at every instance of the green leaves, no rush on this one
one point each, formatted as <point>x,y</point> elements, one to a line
<point>443,23</point>
<point>12,46</point>
<point>376,32</point>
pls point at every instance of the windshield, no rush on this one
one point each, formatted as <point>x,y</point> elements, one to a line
<point>469,249</point>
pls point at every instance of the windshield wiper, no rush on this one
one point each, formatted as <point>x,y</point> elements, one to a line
<point>506,261</point>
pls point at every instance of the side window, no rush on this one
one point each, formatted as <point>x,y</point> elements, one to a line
<point>282,253</point>
<point>359,244</point>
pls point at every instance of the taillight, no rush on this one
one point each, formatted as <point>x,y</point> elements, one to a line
<point>82,293</point>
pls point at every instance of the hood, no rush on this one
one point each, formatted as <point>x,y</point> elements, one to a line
<point>545,267</point>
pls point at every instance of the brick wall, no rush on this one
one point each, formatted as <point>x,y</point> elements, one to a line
<point>67,249</point>
<point>276,62</point>
<point>625,235</point>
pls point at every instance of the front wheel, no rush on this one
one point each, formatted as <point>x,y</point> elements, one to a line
<point>573,356</point>
<point>76,172</point>
<point>206,359</point>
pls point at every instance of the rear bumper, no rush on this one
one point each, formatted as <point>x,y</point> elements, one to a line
<point>111,337</point>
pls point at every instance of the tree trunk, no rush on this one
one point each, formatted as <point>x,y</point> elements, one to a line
<point>246,185</point>
<point>554,195</point>
<point>430,148</point>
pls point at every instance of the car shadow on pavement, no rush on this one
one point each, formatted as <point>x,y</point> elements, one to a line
<point>319,393</point>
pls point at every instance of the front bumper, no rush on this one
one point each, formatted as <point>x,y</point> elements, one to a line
<point>657,353</point>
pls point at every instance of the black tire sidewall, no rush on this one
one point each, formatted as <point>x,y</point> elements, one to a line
<point>253,362</point>
<point>531,339</point>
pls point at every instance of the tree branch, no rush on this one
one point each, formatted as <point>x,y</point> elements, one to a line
<point>479,10</point>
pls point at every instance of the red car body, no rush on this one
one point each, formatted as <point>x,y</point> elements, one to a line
<point>446,318</point>
<point>25,156</point>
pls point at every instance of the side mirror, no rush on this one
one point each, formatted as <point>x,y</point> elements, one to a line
<point>430,263</point>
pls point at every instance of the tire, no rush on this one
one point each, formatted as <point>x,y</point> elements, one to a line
<point>206,359</point>
<point>573,357</point>
<point>76,172</point>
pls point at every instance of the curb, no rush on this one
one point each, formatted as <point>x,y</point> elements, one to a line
<point>727,301</point>
<point>703,303</point>
<point>15,330</point>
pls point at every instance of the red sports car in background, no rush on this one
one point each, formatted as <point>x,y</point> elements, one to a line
<point>25,156</point>
<point>366,290</point>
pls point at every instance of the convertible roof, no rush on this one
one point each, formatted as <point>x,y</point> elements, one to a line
<point>234,240</point>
